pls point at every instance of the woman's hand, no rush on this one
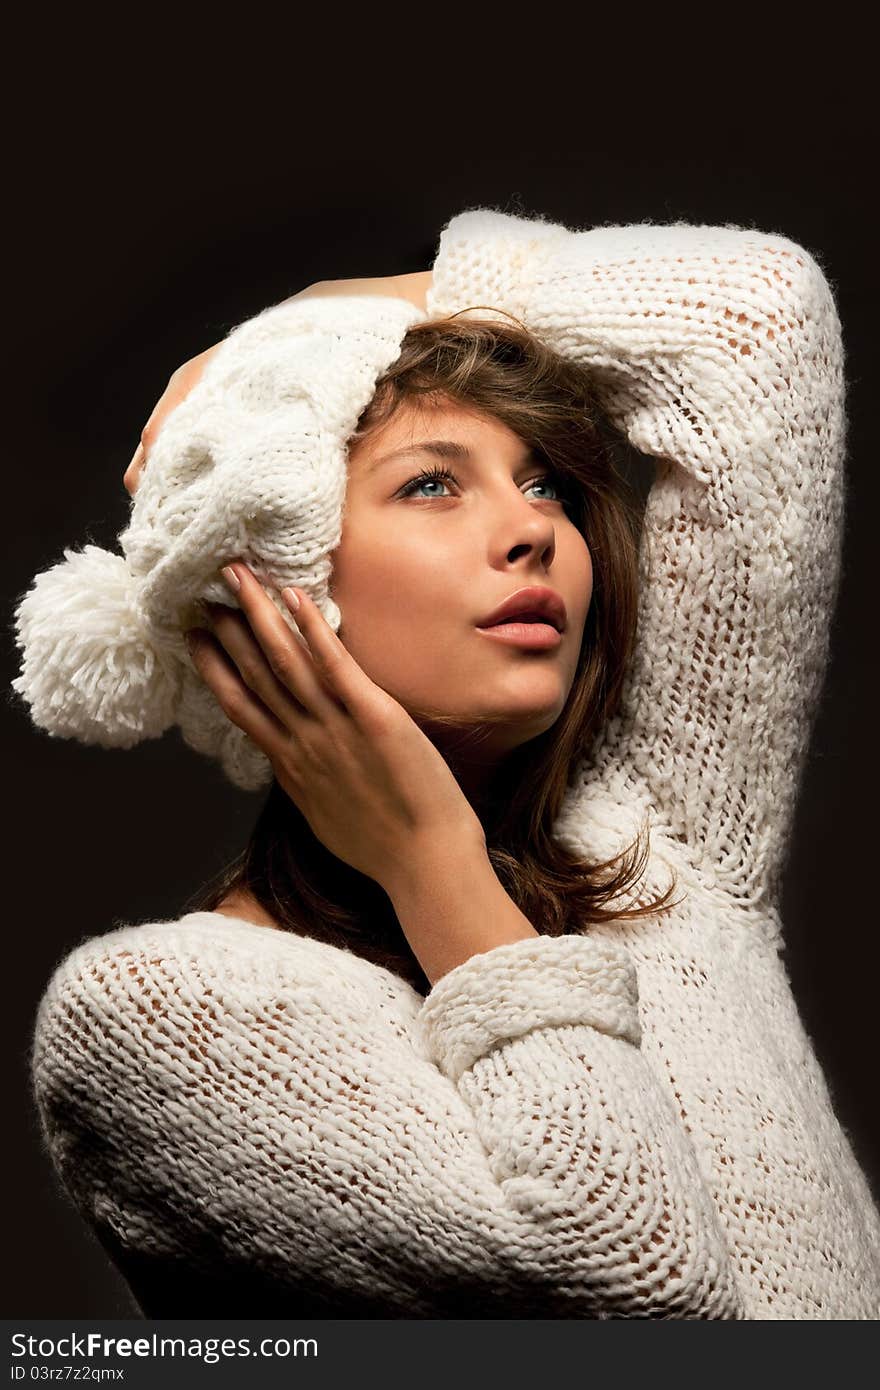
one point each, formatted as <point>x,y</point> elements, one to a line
<point>371,785</point>
<point>178,388</point>
<point>412,287</point>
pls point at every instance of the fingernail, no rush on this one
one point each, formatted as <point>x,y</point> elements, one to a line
<point>231,577</point>
<point>291,599</point>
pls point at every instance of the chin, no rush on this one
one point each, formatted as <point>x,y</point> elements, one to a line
<point>519,706</point>
<point>533,703</point>
<point>523,722</point>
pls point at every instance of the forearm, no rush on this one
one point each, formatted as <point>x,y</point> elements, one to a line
<point>718,351</point>
<point>451,906</point>
<point>546,1173</point>
<point>413,287</point>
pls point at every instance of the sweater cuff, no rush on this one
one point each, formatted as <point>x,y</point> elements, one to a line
<point>488,258</point>
<point>534,983</point>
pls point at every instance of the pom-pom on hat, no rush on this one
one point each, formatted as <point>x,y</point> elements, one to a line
<point>252,465</point>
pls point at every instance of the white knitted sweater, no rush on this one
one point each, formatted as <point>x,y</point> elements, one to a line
<point>626,1123</point>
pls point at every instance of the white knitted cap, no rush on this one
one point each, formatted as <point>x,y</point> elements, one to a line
<point>251,465</point>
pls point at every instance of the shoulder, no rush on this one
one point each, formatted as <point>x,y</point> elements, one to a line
<point>215,942</point>
<point>160,1029</point>
<point>202,964</point>
<point>166,1014</point>
<point>241,904</point>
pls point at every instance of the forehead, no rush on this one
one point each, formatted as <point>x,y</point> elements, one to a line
<point>414,425</point>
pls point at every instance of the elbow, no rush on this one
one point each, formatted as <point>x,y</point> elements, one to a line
<point>677,1266</point>
<point>807,322</point>
<point>682,1268</point>
<point>682,1265</point>
<point>601,1286</point>
<point>705,1287</point>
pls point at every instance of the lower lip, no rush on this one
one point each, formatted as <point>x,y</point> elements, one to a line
<point>538,636</point>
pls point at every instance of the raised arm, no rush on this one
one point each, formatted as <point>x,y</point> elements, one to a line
<point>718,351</point>
<point>219,1096</point>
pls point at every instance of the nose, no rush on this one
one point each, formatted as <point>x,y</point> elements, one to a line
<point>523,531</point>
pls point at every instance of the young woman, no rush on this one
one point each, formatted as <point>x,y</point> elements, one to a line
<point>441,1042</point>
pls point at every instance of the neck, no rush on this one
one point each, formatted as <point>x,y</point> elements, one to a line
<point>475,771</point>
<point>476,783</point>
<point>475,756</point>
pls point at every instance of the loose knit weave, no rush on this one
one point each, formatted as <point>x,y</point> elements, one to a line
<point>629,1122</point>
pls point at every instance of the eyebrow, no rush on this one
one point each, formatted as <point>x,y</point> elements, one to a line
<point>441,448</point>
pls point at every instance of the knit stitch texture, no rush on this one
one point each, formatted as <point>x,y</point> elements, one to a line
<point>629,1122</point>
<point>251,465</point>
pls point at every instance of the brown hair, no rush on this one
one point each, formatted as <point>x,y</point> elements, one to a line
<point>500,368</point>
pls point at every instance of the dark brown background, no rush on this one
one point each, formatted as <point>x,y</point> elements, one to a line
<point>135,243</point>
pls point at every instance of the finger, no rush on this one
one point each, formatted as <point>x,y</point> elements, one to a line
<point>238,703</point>
<point>168,401</point>
<point>132,475</point>
<point>233,633</point>
<point>335,664</point>
<point>180,384</point>
<point>288,660</point>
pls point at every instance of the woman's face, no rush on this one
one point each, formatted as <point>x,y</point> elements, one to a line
<point>421,564</point>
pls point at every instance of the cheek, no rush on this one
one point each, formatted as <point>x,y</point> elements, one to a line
<point>588,583</point>
<point>579,578</point>
<point>383,587</point>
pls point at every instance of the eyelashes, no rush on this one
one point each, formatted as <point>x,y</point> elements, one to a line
<point>439,474</point>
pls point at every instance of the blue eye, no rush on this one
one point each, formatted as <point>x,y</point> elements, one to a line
<point>431,475</point>
<point>542,482</point>
<point>443,475</point>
